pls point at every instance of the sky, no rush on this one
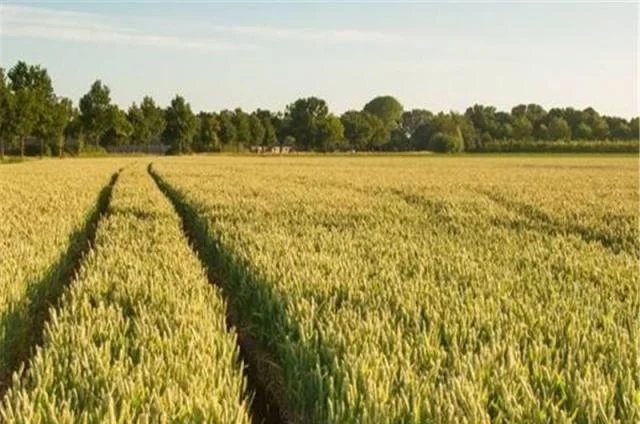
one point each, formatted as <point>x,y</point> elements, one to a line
<point>434,55</point>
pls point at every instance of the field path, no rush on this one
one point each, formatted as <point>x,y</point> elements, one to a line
<point>24,322</point>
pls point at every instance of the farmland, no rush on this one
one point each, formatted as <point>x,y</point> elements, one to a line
<point>358,289</point>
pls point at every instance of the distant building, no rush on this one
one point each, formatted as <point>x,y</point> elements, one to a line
<point>273,149</point>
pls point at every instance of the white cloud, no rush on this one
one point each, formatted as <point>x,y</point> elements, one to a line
<point>311,34</point>
<point>35,22</point>
<point>30,22</point>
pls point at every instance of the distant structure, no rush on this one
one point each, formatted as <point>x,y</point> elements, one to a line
<point>277,150</point>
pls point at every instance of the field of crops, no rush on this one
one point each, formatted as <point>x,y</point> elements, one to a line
<point>362,290</point>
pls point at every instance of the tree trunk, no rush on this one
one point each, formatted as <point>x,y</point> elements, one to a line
<point>41,147</point>
<point>1,149</point>
<point>22,140</point>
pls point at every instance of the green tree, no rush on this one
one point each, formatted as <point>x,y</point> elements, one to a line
<point>634,128</point>
<point>119,129</point>
<point>387,108</point>
<point>181,125</point>
<point>600,128</point>
<point>243,127</point>
<point>258,130</point>
<point>269,122</point>
<point>504,126</point>
<point>61,115</point>
<point>228,134</point>
<point>485,122</point>
<point>32,94</point>
<point>559,129</point>
<point>360,128</point>
<point>96,112</point>
<point>412,119</point>
<point>445,143</point>
<point>304,118</point>
<point>207,139</point>
<point>5,112</point>
<point>619,129</point>
<point>522,128</point>
<point>583,132</point>
<point>148,121</point>
<point>330,134</point>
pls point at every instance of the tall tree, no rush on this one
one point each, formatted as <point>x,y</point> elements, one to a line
<point>522,128</point>
<point>119,129</point>
<point>243,126</point>
<point>387,108</point>
<point>228,134</point>
<point>61,115</point>
<point>181,125</point>
<point>207,138</point>
<point>257,129</point>
<point>154,119</point>
<point>147,120</point>
<point>269,122</point>
<point>583,132</point>
<point>5,111</point>
<point>559,129</point>
<point>96,112</point>
<point>484,120</point>
<point>634,128</point>
<point>32,92</point>
<point>360,129</point>
<point>330,134</point>
<point>304,119</point>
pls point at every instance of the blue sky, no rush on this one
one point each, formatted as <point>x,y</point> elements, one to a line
<point>438,56</point>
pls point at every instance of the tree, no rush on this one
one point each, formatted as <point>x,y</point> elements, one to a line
<point>257,129</point>
<point>154,119</point>
<point>330,134</point>
<point>412,119</point>
<point>387,108</point>
<point>504,127</point>
<point>227,133</point>
<point>360,128</point>
<point>269,122</point>
<point>243,126</point>
<point>583,132</point>
<point>634,128</point>
<point>119,129</point>
<point>5,111</point>
<point>619,129</point>
<point>207,139</point>
<point>522,128</point>
<point>304,118</point>
<point>484,120</point>
<point>600,128</point>
<point>181,125</point>
<point>465,131</point>
<point>147,120</point>
<point>95,112</point>
<point>32,93</point>
<point>61,115</point>
<point>445,143</point>
<point>559,129</point>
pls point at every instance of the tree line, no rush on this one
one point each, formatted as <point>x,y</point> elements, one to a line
<point>34,118</point>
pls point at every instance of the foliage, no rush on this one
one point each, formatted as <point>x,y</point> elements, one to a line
<point>30,121</point>
<point>445,143</point>
<point>96,112</point>
<point>181,125</point>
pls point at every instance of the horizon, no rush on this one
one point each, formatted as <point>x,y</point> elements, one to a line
<point>431,56</point>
